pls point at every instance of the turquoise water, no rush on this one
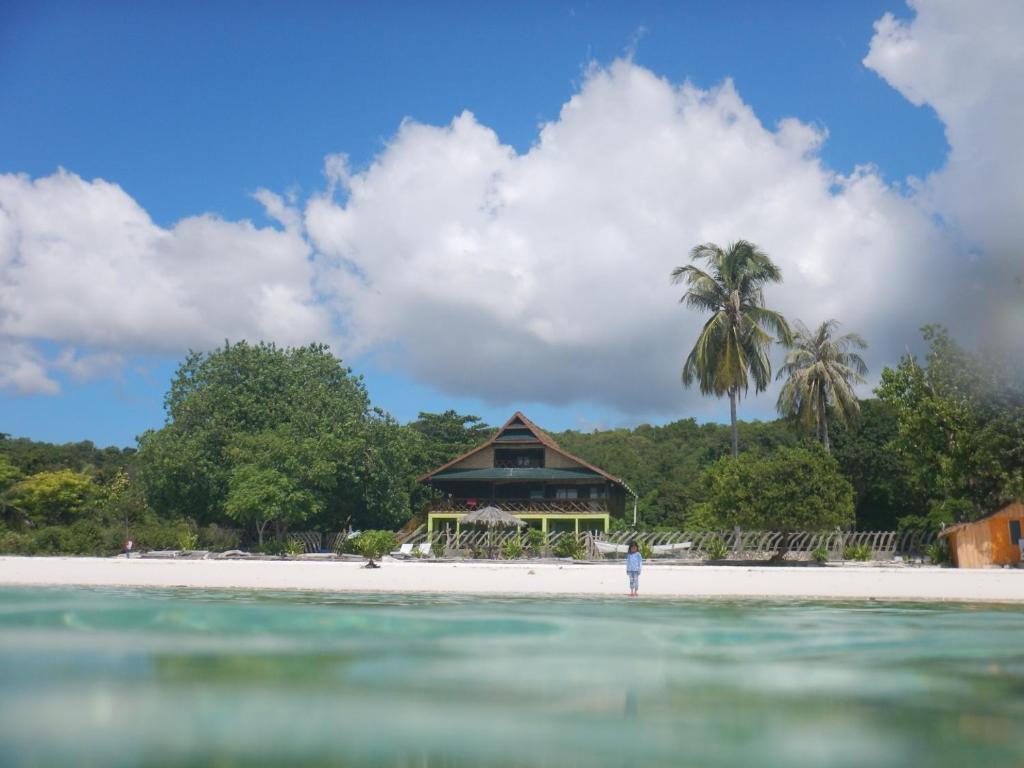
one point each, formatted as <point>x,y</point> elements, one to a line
<point>108,677</point>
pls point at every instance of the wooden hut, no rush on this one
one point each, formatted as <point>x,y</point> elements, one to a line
<point>992,540</point>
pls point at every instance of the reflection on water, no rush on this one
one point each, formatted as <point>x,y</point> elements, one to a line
<point>180,677</point>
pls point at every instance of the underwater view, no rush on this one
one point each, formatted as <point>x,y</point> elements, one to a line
<point>111,677</point>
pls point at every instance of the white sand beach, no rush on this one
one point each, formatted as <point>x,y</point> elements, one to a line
<point>839,582</point>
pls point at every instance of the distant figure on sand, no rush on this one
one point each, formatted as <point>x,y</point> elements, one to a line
<point>128,547</point>
<point>634,562</point>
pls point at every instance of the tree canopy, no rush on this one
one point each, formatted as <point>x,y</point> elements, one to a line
<point>248,425</point>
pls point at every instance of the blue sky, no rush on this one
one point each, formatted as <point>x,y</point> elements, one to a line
<point>191,108</point>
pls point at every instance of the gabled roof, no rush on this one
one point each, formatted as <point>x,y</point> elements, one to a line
<point>1012,510</point>
<point>518,425</point>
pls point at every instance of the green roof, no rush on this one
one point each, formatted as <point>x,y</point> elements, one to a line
<point>524,474</point>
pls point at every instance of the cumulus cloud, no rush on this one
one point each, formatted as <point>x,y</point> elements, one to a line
<point>544,275</point>
<point>965,60</point>
<point>82,264</point>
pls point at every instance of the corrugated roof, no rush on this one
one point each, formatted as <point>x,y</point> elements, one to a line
<point>525,474</point>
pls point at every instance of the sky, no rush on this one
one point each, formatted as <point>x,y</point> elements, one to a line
<point>477,206</point>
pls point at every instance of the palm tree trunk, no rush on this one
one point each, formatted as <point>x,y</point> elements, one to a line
<point>732,413</point>
<point>824,431</point>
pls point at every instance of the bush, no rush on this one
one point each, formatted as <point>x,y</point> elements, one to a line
<point>820,555</point>
<point>512,549</point>
<point>716,549</point>
<point>570,546</point>
<point>218,539</point>
<point>437,549</point>
<point>274,547</point>
<point>375,544</point>
<point>790,489</point>
<point>14,543</point>
<point>938,553</point>
<point>861,552</point>
<point>294,547</point>
<point>536,541</point>
<point>645,550</point>
<point>188,539</point>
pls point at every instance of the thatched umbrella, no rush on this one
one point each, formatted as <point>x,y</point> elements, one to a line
<point>492,518</point>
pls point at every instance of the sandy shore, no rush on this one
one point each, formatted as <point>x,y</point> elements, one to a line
<point>859,582</point>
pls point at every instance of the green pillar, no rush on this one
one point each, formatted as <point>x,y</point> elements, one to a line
<point>544,525</point>
<point>576,520</point>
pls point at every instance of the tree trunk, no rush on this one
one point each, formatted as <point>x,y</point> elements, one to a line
<point>732,413</point>
<point>259,531</point>
<point>824,432</point>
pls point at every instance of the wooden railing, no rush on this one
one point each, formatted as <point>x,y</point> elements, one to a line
<point>550,506</point>
<point>744,545</point>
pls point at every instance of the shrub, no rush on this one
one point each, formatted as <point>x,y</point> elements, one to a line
<point>716,549</point>
<point>820,555</point>
<point>294,547</point>
<point>437,549</point>
<point>861,552</point>
<point>938,553</point>
<point>219,539</point>
<point>536,541</point>
<point>376,544</point>
<point>570,546</point>
<point>512,549</point>
<point>645,550</point>
<point>188,539</point>
<point>274,547</point>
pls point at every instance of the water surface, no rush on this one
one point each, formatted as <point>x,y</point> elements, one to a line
<point>112,677</point>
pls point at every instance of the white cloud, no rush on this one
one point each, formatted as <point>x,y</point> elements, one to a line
<point>965,60</point>
<point>545,275</point>
<point>23,370</point>
<point>82,264</point>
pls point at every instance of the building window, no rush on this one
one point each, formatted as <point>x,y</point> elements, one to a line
<point>1014,531</point>
<point>566,493</point>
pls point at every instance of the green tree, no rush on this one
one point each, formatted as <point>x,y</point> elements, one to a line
<point>247,421</point>
<point>821,372</point>
<point>880,475</point>
<point>960,426</point>
<point>445,436</point>
<point>791,489</point>
<point>732,348</point>
<point>49,498</point>
<point>260,495</point>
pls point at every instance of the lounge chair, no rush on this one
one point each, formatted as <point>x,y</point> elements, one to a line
<point>424,548</point>
<point>403,551</point>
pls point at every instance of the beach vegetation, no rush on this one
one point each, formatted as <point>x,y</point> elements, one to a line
<point>373,545</point>
<point>938,552</point>
<point>791,489</point>
<point>512,549</point>
<point>732,348</point>
<point>861,552</point>
<point>569,545</point>
<point>716,549</point>
<point>959,424</point>
<point>821,371</point>
<point>820,555</point>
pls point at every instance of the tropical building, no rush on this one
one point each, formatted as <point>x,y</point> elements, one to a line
<point>993,540</point>
<point>522,470</point>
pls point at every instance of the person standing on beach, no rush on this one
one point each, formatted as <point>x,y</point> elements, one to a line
<point>634,562</point>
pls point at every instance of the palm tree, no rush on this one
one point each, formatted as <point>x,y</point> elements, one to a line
<point>732,347</point>
<point>822,372</point>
